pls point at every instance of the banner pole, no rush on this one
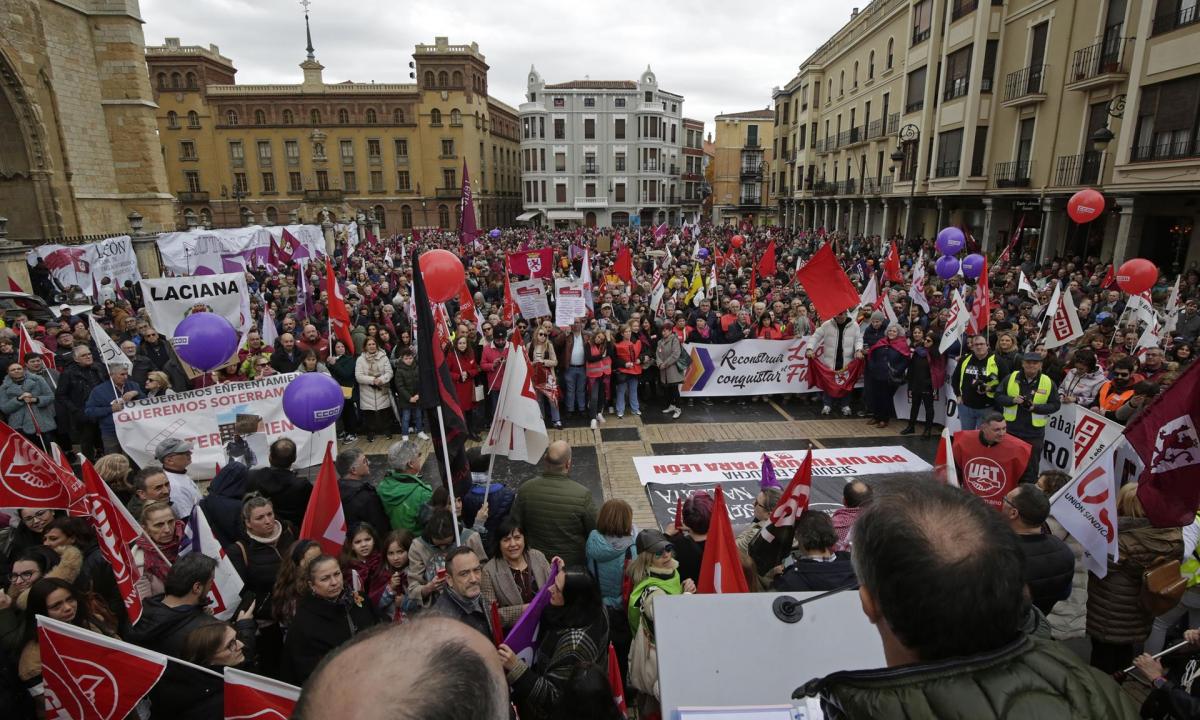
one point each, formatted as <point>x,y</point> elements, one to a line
<point>449,479</point>
<point>487,488</point>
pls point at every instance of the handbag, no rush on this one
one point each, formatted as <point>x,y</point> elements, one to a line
<point>684,361</point>
<point>895,377</point>
<point>478,393</point>
<point>1162,587</point>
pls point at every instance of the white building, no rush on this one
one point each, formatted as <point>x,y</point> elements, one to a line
<point>601,153</point>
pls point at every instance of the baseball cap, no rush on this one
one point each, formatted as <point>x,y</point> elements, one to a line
<point>652,541</point>
<point>63,307</point>
<point>171,446</point>
<point>1031,357</point>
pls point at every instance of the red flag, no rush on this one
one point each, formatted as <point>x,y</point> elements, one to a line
<point>623,267</point>
<point>28,346</point>
<point>981,308</point>
<point>721,566</point>
<point>532,263</point>
<point>115,532</point>
<point>254,696</point>
<point>466,307</point>
<point>510,305</point>
<point>826,283</point>
<point>30,479</point>
<point>1110,278</point>
<point>324,520</point>
<point>891,265</point>
<point>614,680</point>
<point>794,500</point>
<point>1164,435</point>
<point>679,513</point>
<point>497,625</point>
<point>766,264</point>
<point>339,316</point>
<point>89,675</point>
<point>273,254</point>
<point>753,282</point>
<point>835,383</point>
<point>943,462</point>
<point>13,286</point>
<point>441,325</point>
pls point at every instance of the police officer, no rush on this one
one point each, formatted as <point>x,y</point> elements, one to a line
<point>975,381</point>
<point>1028,398</point>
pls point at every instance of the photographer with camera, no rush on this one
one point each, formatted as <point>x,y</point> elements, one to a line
<point>975,381</point>
<point>1027,398</point>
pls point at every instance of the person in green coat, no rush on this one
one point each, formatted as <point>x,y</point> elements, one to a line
<point>556,512</point>
<point>402,490</point>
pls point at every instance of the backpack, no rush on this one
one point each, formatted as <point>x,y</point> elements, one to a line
<point>684,361</point>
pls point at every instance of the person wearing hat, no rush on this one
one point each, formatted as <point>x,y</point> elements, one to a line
<point>1028,397</point>
<point>653,572</point>
<point>175,455</point>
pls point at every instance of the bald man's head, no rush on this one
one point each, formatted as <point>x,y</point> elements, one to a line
<point>558,456</point>
<point>432,668</point>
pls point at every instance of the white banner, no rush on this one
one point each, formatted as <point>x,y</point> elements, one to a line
<point>1087,508</point>
<point>748,367</point>
<point>530,296</point>
<point>568,301</point>
<point>224,422</point>
<point>87,265</point>
<point>726,467</point>
<point>211,252</point>
<point>170,300</point>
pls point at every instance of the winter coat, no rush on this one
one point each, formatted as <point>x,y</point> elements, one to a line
<point>666,355</point>
<point>490,362</point>
<point>606,558</point>
<point>537,690</point>
<point>807,574</point>
<point>368,368</point>
<point>1068,616</point>
<point>885,360</point>
<point>287,491</point>
<point>22,416</point>
<point>406,383</point>
<point>824,342</point>
<point>421,561</point>
<point>499,585</point>
<point>258,563</point>
<point>1114,612</point>
<point>403,497</point>
<point>319,627</point>
<point>163,628</point>
<point>1085,388</point>
<point>74,387</point>
<point>360,503</point>
<point>1049,569</point>
<point>460,363</point>
<point>99,404</point>
<point>557,515</point>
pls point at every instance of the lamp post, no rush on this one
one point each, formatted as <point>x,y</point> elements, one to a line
<point>910,133</point>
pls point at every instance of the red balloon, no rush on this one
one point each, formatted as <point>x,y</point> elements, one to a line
<point>1137,276</point>
<point>443,273</point>
<point>737,241</point>
<point>1085,206</point>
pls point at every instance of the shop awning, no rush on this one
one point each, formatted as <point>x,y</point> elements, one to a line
<point>564,215</point>
<point>527,216</point>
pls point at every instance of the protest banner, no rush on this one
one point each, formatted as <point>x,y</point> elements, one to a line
<point>668,478</point>
<point>224,422</point>
<point>530,296</point>
<point>170,300</point>
<point>222,250</point>
<point>87,265</point>
<point>748,367</point>
<point>568,301</point>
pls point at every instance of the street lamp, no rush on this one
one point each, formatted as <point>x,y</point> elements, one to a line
<point>910,133</point>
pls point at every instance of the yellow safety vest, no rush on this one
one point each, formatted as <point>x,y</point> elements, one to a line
<point>1041,395</point>
<point>991,373</point>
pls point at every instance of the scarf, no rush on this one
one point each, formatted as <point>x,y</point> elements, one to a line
<point>899,344</point>
<point>154,562</point>
<point>270,539</point>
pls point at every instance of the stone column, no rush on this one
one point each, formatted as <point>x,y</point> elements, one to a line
<point>1127,207</point>
<point>866,228</point>
<point>941,218</point>
<point>908,218</point>
<point>885,229</point>
<point>145,247</point>
<point>1049,237</point>
<point>327,232</point>
<point>837,215</point>
<point>985,243</point>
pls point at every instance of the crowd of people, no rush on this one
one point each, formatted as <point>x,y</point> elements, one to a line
<point>413,557</point>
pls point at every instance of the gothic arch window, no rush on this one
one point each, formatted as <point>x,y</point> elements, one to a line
<point>372,118</point>
<point>891,45</point>
<point>288,118</point>
<point>260,117</point>
<point>314,117</point>
<point>455,117</point>
<point>398,116</point>
<point>381,217</point>
<point>272,215</point>
<point>343,116</point>
<point>435,117</point>
<point>191,80</point>
<point>176,80</point>
<point>428,78</point>
<point>193,119</point>
<point>405,217</point>
<point>231,117</point>
<point>443,79</point>
<point>443,217</point>
<point>871,65</point>
<point>172,119</point>
<point>162,80</point>
<point>457,79</point>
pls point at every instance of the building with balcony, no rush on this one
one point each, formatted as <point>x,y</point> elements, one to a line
<point>919,114</point>
<point>743,162</point>
<point>601,153</point>
<point>391,151</point>
<point>692,183</point>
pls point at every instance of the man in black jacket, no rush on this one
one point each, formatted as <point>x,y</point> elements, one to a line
<point>818,566</point>
<point>75,385</point>
<point>1049,562</point>
<point>360,502</point>
<point>286,358</point>
<point>287,491</point>
<point>168,618</point>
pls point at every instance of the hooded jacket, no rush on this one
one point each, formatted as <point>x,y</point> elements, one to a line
<point>606,558</point>
<point>287,491</point>
<point>403,496</point>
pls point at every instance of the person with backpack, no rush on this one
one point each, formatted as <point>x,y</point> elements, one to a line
<point>653,572</point>
<point>610,549</point>
<point>402,491</point>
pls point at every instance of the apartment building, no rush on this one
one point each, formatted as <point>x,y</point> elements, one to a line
<point>393,152</point>
<point>744,152</point>
<point>694,188</point>
<point>602,153</point>
<point>990,115</point>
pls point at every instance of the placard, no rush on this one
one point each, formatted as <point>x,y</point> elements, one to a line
<point>170,300</point>
<point>530,296</point>
<point>568,301</point>
<point>748,367</point>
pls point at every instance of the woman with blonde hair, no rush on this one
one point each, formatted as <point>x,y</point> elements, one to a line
<point>114,469</point>
<point>158,384</point>
<point>653,572</point>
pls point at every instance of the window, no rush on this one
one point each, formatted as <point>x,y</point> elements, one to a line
<point>402,149</point>
<point>560,193</point>
<point>1167,123</point>
<point>240,184</point>
<point>291,149</point>
<point>589,163</point>
<point>193,119</point>
<point>751,136</point>
<point>405,217</point>
<point>268,182</point>
<point>435,117</point>
<point>176,80</point>
<point>456,79</point>
<point>541,128</point>
<point>260,117</point>
<point>891,46</point>
<point>443,216</point>
<point>373,149</point>
<point>455,118</point>
<point>264,153</point>
<point>560,129</point>
<point>162,81</point>
<point>841,83</point>
<point>173,120</point>
<point>915,98</point>
<point>398,116</point>
<point>619,192</point>
<point>1025,146</point>
<point>343,116</point>
<point>619,102</point>
<point>314,117</point>
<point>295,184</point>
<point>949,153</point>
<point>855,78</point>
<point>560,162</point>
<point>871,66</point>
<point>958,73</point>
<point>376,181</point>
<point>559,102</point>
<point>649,96</point>
<point>1174,14</point>
<point>449,175</point>
<point>589,102</point>
<point>349,181</point>
<point>237,153</point>
<point>589,129</point>
<point>347,150</point>
<point>192,178</point>
<point>922,14</point>
<point>448,148</point>
<point>231,117</point>
<point>403,182</point>
<point>372,118</point>
<point>619,162</point>
<point>989,66</point>
<point>429,79</point>
<point>978,152</point>
<point>443,79</point>
<point>288,118</point>
<point>960,8</point>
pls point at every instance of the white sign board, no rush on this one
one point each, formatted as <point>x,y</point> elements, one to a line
<point>530,296</point>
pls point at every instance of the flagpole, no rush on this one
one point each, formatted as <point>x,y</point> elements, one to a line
<point>449,475</point>
<point>487,488</point>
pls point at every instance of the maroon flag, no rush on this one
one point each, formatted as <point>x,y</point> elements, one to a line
<point>532,263</point>
<point>467,229</point>
<point>288,245</point>
<point>30,479</point>
<point>115,532</point>
<point>1165,438</point>
<point>273,258</point>
<point>253,696</point>
<point>1110,278</point>
<point>89,675</point>
<point>837,383</point>
<point>826,283</point>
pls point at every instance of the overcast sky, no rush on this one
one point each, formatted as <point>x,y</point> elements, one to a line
<point>721,56</point>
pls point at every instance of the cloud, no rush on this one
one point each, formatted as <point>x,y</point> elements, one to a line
<point>721,56</point>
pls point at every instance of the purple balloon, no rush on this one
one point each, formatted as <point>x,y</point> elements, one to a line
<point>495,232</point>
<point>703,252</point>
<point>950,241</point>
<point>972,266</point>
<point>313,401</point>
<point>205,340</point>
<point>946,267</point>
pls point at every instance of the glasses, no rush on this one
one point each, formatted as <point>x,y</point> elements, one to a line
<point>39,515</point>
<point>666,551</point>
<point>21,576</point>
<point>233,645</point>
<point>1121,376</point>
<point>541,335</point>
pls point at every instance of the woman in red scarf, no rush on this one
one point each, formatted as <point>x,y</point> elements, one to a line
<point>887,365</point>
<point>157,548</point>
<point>464,370</point>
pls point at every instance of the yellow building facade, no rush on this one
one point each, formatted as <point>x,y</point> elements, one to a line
<point>743,148</point>
<point>918,114</point>
<point>390,153</point>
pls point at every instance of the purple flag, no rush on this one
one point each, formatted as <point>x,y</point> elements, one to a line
<point>522,639</point>
<point>467,230</point>
<point>768,474</point>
